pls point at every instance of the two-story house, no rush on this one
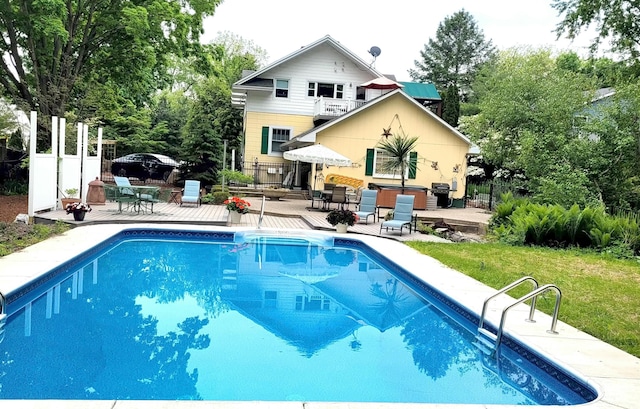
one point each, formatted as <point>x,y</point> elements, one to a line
<point>319,94</point>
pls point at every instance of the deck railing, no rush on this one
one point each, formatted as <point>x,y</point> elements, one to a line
<point>335,107</point>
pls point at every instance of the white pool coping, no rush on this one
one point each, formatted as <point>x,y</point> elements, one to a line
<point>614,373</point>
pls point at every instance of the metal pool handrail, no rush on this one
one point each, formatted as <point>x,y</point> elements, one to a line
<point>3,316</point>
<point>2,304</point>
<point>533,294</point>
<point>261,213</point>
<point>504,290</point>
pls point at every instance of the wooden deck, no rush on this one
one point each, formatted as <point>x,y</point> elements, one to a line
<point>279,214</point>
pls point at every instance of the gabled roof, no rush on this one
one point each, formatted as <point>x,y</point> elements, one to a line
<point>309,136</point>
<point>324,40</point>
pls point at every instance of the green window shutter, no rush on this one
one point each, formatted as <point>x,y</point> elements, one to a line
<point>413,164</point>
<point>368,169</point>
<point>264,149</point>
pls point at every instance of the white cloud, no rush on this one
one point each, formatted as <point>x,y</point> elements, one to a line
<point>400,28</point>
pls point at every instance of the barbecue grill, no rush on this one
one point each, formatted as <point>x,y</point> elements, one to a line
<point>441,191</point>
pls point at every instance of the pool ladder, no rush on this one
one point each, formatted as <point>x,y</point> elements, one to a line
<point>486,341</point>
<point>3,316</point>
<point>261,213</point>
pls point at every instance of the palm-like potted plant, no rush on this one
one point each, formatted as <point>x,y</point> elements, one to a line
<point>342,218</point>
<point>399,148</point>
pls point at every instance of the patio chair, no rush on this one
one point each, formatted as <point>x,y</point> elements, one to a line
<point>122,181</point>
<point>191,193</point>
<point>402,214</point>
<point>367,206</point>
<point>148,199</point>
<point>120,195</point>
<point>338,196</point>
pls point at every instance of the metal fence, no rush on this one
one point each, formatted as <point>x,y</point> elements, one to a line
<point>487,195</point>
<point>266,174</point>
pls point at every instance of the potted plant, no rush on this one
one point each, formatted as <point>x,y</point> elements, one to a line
<point>236,207</point>
<point>342,218</point>
<point>78,209</point>
<point>69,197</point>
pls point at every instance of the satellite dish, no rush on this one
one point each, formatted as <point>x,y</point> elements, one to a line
<point>375,51</point>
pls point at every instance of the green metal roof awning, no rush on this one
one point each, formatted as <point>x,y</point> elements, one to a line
<point>418,90</point>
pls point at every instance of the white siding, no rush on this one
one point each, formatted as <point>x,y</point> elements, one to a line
<point>321,64</point>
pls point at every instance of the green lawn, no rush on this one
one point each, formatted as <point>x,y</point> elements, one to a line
<point>600,295</point>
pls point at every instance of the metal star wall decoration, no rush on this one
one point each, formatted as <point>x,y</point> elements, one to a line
<point>386,132</point>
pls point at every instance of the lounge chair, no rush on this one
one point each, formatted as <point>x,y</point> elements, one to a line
<point>191,192</point>
<point>402,214</point>
<point>367,206</point>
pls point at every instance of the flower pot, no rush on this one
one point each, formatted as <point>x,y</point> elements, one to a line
<point>68,200</point>
<point>78,215</point>
<point>341,227</point>
<point>235,217</point>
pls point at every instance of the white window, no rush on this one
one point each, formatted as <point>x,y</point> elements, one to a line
<point>381,158</point>
<point>278,137</point>
<point>325,89</point>
<point>282,88</point>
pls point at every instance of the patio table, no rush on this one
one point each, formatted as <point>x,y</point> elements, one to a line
<point>140,198</point>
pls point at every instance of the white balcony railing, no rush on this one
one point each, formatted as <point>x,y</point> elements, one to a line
<point>335,107</point>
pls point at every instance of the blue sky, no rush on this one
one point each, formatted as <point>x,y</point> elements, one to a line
<point>400,28</point>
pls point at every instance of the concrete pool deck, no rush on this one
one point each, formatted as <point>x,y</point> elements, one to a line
<point>615,374</point>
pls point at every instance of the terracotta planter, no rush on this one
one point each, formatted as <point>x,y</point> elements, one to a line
<point>341,227</point>
<point>68,200</point>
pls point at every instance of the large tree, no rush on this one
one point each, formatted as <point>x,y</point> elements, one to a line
<point>527,123</point>
<point>212,118</point>
<point>49,47</point>
<point>615,20</point>
<point>455,56</point>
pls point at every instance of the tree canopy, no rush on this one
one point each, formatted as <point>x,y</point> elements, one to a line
<point>50,47</point>
<point>527,124</point>
<point>615,20</point>
<point>455,56</point>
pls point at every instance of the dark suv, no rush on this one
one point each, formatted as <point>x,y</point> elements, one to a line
<point>144,166</point>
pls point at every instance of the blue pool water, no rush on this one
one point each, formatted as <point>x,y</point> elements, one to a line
<point>218,316</point>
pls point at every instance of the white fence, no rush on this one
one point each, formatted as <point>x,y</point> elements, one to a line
<point>51,174</point>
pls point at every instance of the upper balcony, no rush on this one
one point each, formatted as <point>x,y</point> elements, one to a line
<point>325,109</point>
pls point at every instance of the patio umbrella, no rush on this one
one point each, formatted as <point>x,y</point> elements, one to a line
<point>317,154</point>
<point>381,83</point>
<point>309,277</point>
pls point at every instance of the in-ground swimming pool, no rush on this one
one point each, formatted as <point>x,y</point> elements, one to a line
<point>154,314</point>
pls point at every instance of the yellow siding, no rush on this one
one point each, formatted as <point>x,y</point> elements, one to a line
<point>436,142</point>
<point>352,137</point>
<point>253,132</point>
